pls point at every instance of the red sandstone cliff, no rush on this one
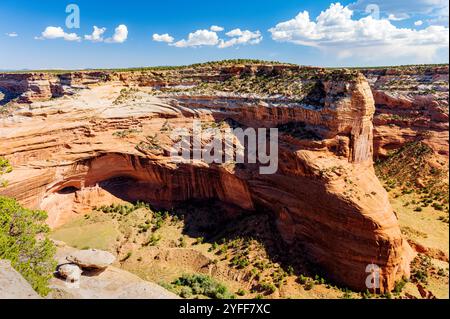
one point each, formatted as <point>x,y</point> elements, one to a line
<point>411,104</point>
<point>325,196</point>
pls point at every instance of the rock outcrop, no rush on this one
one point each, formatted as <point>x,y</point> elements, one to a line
<point>70,272</point>
<point>91,259</point>
<point>105,283</point>
<point>13,285</point>
<point>107,140</point>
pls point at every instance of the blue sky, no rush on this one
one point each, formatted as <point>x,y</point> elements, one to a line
<point>34,35</point>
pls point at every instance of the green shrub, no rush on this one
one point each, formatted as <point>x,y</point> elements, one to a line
<point>347,294</point>
<point>241,292</point>
<point>399,285</point>
<point>182,242</point>
<point>127,256</point>
<point>309,285</point>
<point>268,287</point>
<point>290,270</point>
<point>202,285</point>
<point>302,279</point>
<point>24,241</point>
<point>438,206</point>
<point>5,166</point>
<point>153,240</point>
<point>240,261</point>
<point>421,276</point>
<point>213,247</point>
<point>199,240</point>
<point>366,294</point>
<point>186,292</point>
<point>125,133</point>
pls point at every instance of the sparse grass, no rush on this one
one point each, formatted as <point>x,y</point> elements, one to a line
<point>151,144</point>
<point>403,168</point>
<point>125,95</point>
<point>126,133</point>
<point>82,233</point>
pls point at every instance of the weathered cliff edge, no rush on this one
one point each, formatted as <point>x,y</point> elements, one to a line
<point>411,104</point>
<point>325,196</point>
<point>13,285</point>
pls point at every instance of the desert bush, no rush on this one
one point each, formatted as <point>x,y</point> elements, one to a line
<point>203,285</point>
<point>269,288</point>
<point>290,270</point>
<point>241,292</point>
<point>399,285</point>
<point>309,285</point>
<point>182,242</point>
<point>127,256</point>
<point>240,261</point>
<point>303,279</point>
<point>5,168</point>
<point>126,133</point>
<point>199,240</point>
<point>153,240</point>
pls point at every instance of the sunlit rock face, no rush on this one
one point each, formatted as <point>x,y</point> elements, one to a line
<point>88,138</point>
<point>411,104</point>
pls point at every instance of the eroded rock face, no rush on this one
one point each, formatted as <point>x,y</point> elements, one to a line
<point>412,104</point>
<point>325,197</point>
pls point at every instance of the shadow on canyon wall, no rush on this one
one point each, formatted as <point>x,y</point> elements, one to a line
<point>218,222</point>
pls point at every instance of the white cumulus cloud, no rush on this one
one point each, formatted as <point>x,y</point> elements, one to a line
<point>120,35</point>
<point>241,37</point>
<point>205,37</point>
<point>12,34</point>
<point>398,17</point>
<point>199,38</point>
<point>97,35</point>
<point>163,38</point>
<point>335,30</point>
<point>436,10</point>
<point>57,33</point>
<point>216,28</point>
<point>418,23</point>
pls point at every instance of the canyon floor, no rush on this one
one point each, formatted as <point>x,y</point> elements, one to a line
<point>95,159</point>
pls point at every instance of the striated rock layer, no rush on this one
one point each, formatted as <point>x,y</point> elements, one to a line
<point>106,141</point>
<point>411,104</point>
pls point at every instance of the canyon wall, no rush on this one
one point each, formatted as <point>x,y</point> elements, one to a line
<point>411,104</point>
<point>110,137</point>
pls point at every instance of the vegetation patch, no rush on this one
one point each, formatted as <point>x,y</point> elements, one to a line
<point>198,285</point>
<point>5,168</point>
<point>24,241</point>
<point>410,170</point>
<point>126,133</point>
